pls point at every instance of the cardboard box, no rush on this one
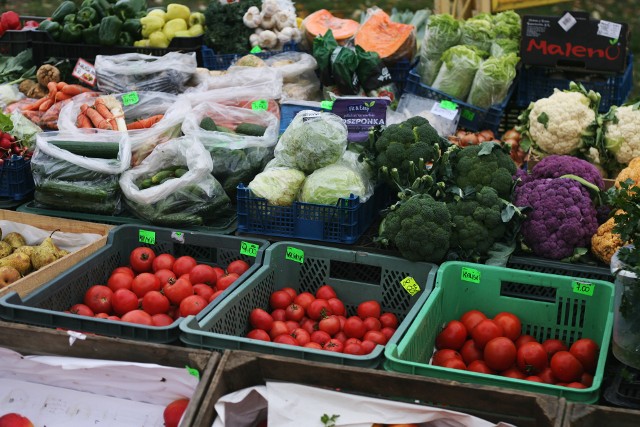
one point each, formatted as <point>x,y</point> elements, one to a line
<point>574,41</point>
<point>32,281</point>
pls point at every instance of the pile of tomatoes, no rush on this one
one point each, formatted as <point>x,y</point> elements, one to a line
<point>319,321</point>
<point>496,346</point>
<point>155,290</point>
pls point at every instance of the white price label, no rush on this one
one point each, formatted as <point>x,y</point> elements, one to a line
<point>567,21</point>
<point>444,112</point>
<point>609,29</point>
<point>84,71</point>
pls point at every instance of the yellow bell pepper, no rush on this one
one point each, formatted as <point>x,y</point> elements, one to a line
<point>177,11</point>
<point>141,43</point>
<point>158,12</point>
<point>158,39</point>
<point>151,24</point>
<point>196,18</point>
<point>173,26</point>
<point>196,30</point>
<point>183,33</point>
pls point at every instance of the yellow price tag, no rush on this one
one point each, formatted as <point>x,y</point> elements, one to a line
<point>410,285</point>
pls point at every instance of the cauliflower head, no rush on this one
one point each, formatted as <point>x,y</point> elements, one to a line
<point>557,123</point>
<point>555,166</point>
<point>605,242</point>
<point>622,134</point>
<point>632,172</point>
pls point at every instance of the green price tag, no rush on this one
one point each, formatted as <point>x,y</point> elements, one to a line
<point>255,49</point>
<point>448,105</point>
<point>326,105</point>
<point>583,288</point>
<point>410,285</point>
<point>249,249</point>
<point>260,105</point>
<point>192,371</point>
<point>294,254</point>
<point>470,275</point>
<point>148,237</point>
<point>469,115</point>
<point>130,98</point>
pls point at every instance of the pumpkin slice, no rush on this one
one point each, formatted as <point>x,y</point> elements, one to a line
<point>322,20</point>
<point>391,40</point>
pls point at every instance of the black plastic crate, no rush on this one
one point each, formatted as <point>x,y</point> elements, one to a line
<point>16,180</point>
<point>15,41</point>
<point>214,61</point>
<point>542,265</point>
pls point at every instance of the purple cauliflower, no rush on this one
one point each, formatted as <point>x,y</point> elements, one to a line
<point>556,166</point>
<point>562,218</point>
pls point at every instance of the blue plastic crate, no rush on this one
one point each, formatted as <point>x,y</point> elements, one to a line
<point>289,109</point>
<point>213,61</point>
<point>399,73</point>
<point>471,117</point>
<point>539,82</point>
<point>344,222</point>
<point>16,180</point>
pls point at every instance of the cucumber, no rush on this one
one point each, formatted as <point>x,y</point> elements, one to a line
<point>167,179</point>
<point>106,207</point>
<point>178,219</point>
<point>208,124</point>
<point>146,183</point>
<point>180,171</point>
<point>225,130</point>
<point>159,176</point>
<point>99,150</point>
<point>251,129</point>
<point>74,191</point>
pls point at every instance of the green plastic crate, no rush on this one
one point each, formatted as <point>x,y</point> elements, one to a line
<point>546,304</point>
<point>45,306</point>
<point>355,276</point>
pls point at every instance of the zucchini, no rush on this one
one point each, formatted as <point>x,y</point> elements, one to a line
<point>99,150</point>
<point>208,124</point>
<point>251,129</point>
<point>73,191</point>
<point>178,219</point>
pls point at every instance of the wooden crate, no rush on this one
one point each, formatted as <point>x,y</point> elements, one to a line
<point>32,281</point>
<point>239,369</point>
<point>580,415</point>
<point>32,340</point>
<point>464,9</point>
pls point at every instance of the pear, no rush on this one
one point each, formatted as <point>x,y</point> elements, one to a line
<point>15,239</point>
<point>19,261</point>
<point>5,249</point>
<point>45,253</point>
<point>26,249</point>
<point>8,275</point>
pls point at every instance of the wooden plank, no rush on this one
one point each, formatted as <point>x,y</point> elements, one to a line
<point>500,5</point>
<point>581,415</point>
<point>239,369</point>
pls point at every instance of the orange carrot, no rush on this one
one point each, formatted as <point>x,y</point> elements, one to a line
<point>95,117</point>
<point>145,123</point>
<point>105,112</point>
<point>35,105</point>
<point>83,121</point>
<point>34,116</point>
<point>74,90</point>
<point>53,89</point>
<point>61,96</point>
<point>46,105</point>
<point>61,85</point>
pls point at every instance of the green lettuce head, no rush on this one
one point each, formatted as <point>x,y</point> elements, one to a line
<point>325,186</point>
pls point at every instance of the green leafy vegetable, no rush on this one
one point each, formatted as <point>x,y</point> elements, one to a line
<point>458,69</point>
<point>327,185</point>
<point>225,31</point>
<point>478,33</point>
<point>14,69</point>
<point>278,185</point>
<point>492,81</point>
<point>443,31</point>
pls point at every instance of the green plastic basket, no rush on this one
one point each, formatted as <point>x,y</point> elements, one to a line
<point>46,305</point>
<point>355,276</point>
<point>548,305</point>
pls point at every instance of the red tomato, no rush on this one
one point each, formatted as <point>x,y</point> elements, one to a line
<point>389,320</point>
<point>534,378</point>
<point>279,314</point>
<point>138,316</point>
<point>294,312</point>
<point>81,310</point>
<point>291,325</point>
<point>205,291</point>
<point>354,327</point>
<point>115,318</point>
<point>165,275</point>
<point>481,367</point>
<point>511,326</point>
<point>454,364</point>
<point>471,318</point>
<point>485,331</point>
<point>227,280</point>
<point>145,282</point>
<point>375,336</point>
<point>523,339</point>
<point>341,336</point>
<point>326,292</point>
<point>238,267</point>
<point>141,259</point>
<point>219,272</point>
<point>120,281</point>
<point>470,352</point>
<point>532,358</point>
<point>178,290</point>
<point>576,384</point>
<point>215,295</point>
<point>258,334</point>
<point>278,328</point>
<point>192,305</point>
<point>203,273</point>
<point>285,339</point>
<point>585,350</point>
<point>372,324</point>
<point>388,332</point>
<point>330,325</point>
<point>352,341</point>
<point>566,367</point>
<point>369,309</point>
<point>500,353</point>
<point>552,346</point>
<point>126,270</point>
<point>333,345</point>
<point>321,337</point>
<point>280,299</point>
<point>124,301</point>
<point>546,375</point>
<point>513,372</point>
<point>353,348</point>
<point>304,299</point>
<point>183,265</point>
<point>301,336</point>
<point>440,356</point>
<point>587,379</point>
<point>174,411</point>
<point>162,262</point>
<point>260,319</point>
<point>161,319</point>
<point>101,316</point>
<point>337,307</point>
<point>155,302</point>
<point>368,346</point>
<point>318,309</point>
<point>291,292</point>
<point>312,344</point>
<point>98,299</point>
<point>452,336</point>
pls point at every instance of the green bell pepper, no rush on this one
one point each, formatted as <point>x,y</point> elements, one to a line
<point>133,27</point>
<point>110,28</point>
<point>125,9</point>
<point>141,14</point>
<point>71,33</point>
<point>102,7</point>
<point>53,28</point>
<point>87,16</point>
<point>125,39</point>
<point>66,8</point>
<point>69,19</point>
<point>91,35</point>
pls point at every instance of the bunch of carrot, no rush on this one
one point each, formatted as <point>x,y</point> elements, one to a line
<point>45,111</point>
<point>101,116</point>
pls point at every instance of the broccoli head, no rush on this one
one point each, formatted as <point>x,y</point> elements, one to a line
<point>484,165</point>
<point>420,227</point>
<point>557,165</point>
<point>477,222</point>
<point>562,219</point>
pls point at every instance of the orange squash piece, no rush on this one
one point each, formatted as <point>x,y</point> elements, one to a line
<point>391,40</point>
<point>322,20</point>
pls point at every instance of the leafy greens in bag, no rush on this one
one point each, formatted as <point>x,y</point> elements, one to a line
<point>492,81</point>
<point>458,69</point>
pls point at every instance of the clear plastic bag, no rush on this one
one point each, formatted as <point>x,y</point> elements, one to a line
<point>190,199</point>
<point>442,32</point>
<point>278,185</point>
<point>458,69</point>
<point>493,80</point>
<point>143,141</point>
<point>238,83</point>
<point>300,81</point>
<point>325,186</point>
<point>138,72</point>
